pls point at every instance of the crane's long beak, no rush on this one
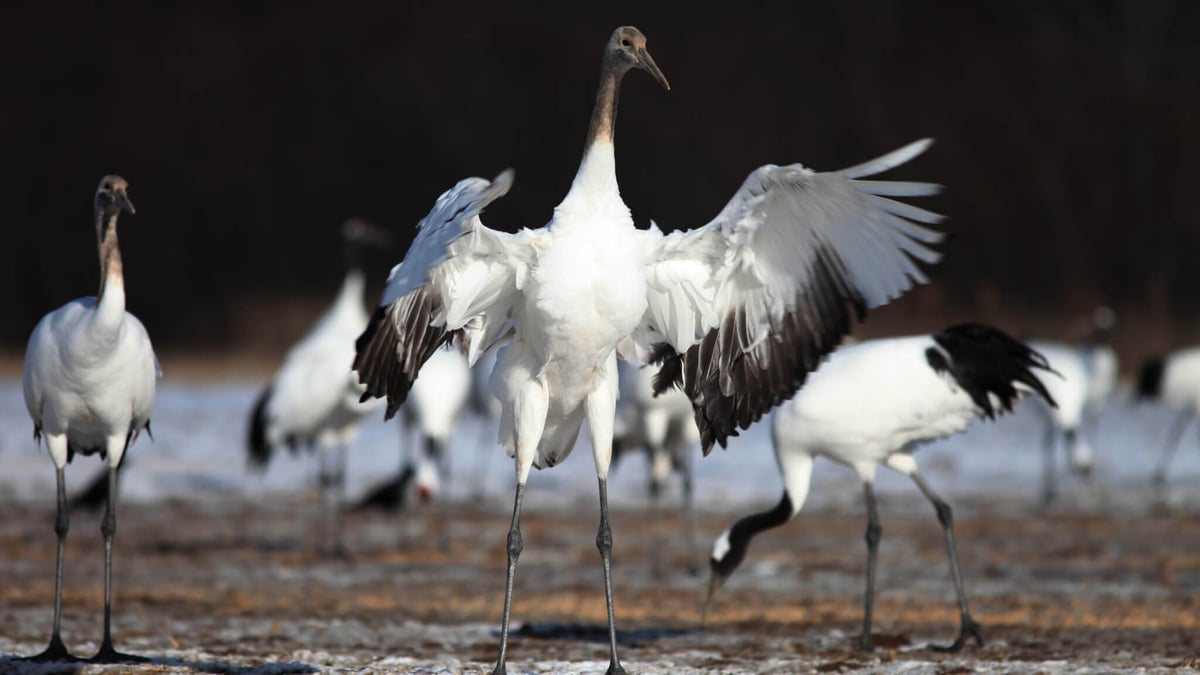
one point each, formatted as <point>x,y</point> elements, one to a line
<point>714,583</point>
<point>123,202</point>
<point>648,64</point>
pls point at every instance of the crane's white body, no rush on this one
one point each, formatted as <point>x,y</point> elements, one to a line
<point>314,395</point>
<point>587,293</point>
<point>871,403</point>
<point>1180,386</point>
<point>90,375</point>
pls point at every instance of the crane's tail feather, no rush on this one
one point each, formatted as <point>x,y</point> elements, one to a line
<point>992,367</point>
<point>259,449</point>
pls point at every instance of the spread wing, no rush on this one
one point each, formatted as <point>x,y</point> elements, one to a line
<point>750,303</point>
<point>457,274</point>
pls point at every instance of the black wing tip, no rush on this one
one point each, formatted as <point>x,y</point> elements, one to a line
<point>259,451</point>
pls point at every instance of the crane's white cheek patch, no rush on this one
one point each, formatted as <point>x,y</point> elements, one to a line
<point>721,546</point>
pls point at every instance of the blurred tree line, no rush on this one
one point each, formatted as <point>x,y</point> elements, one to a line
<point>1068,137</point>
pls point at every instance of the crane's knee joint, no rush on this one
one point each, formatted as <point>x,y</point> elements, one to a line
<point>62,524</point>
<point>944,513</point>
<point>516,544</point>
<point>108,524</point>
<point>604,539</point>
<point>874,532</point>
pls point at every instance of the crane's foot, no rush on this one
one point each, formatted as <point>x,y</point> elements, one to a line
<point>969,629</point>
<point>109,655</point>
<point>499,669</point>
<point>615,668</point>
<point>865,643</point>
<point>55,652</point>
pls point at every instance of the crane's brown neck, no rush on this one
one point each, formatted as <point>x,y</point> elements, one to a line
<point>111,272</point>
<point>604,114</point>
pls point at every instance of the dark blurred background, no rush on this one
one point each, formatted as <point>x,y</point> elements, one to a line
<point>1068,137</point>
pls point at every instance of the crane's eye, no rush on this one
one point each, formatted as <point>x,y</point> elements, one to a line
<point>626,43</point>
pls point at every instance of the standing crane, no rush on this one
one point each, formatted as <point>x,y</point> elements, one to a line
<point>89,380</point>
<point>741,309</point>
<point>313,400</point>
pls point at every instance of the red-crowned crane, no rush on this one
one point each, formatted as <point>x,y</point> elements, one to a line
<point>873,403</point>
<point>313,400</point>
<point>89,383</point>
<point>742,308</point>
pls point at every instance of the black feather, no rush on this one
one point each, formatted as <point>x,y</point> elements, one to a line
<point>731,388</point>
<point>259,450</point>
<point>390,496</point>
<point>1150,378</point>
<point>987,362</point>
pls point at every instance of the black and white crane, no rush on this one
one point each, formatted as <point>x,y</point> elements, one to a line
<point>742,308</point>
<point>873,403</point>
<point>663,428</point>
<point>313,400</point>
<point>89,381</point>
<point>1173,379</point>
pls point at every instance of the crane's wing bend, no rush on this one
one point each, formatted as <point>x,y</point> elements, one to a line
<point>750,303</point>
<point>457,272</point>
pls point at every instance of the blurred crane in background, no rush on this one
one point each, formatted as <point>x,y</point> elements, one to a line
<point>313,400</point>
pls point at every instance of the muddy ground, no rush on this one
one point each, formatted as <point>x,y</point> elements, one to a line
<point>229,585</point>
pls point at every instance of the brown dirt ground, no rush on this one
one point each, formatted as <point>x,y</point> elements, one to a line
<point>228,585</point>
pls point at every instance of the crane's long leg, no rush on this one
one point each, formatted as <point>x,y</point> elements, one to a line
<point>108,528</point>
<point>57,651</point>
<point>1173,436</point>
<point>515,545</point>
<point>604,542</point>
<point>874,531</point>
<point>968,627</point>
<point>335,502</point>
<point>1049,448</point>
<point>601,409</point>
<point>689,512</point>
<point>657,540</point>
<point>530,405</point>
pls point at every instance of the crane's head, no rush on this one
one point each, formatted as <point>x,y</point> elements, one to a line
<point>627,49</point>
<point>111,196</point>
<point>359,231</point>
<point>727,555</point>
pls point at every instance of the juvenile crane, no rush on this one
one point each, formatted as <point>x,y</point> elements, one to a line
<point>873,403</point>
<point>742,308</point>
<point>89,385</point>
<point>313,400</point>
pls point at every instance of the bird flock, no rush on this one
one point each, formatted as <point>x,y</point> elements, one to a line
<point>662,342</point>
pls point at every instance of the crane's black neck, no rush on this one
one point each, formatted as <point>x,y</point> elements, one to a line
<point>746,529</point>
